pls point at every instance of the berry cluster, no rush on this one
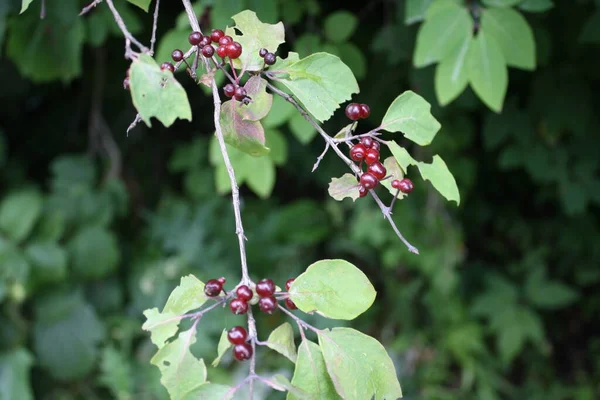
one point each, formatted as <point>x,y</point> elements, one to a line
<point>237,92</point>
<point>356,111</point>
<point>268,57</point>
<point>237,336</point>
<point>368,150</point>
<point>405,185</point>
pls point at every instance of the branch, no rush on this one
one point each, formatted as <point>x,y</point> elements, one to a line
<point>329,140</point>
<point>128,36</point>
<point>154,27</point>
<point>87,8</point>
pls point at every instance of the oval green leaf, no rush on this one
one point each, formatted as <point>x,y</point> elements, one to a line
<point>282,341</point>
<point>311,373</point>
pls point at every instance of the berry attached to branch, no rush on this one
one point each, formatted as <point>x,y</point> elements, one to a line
<point>208,51</point>
<point>368,181</point>
<point>240,93</point>
<point>263,52</point>
<point>237,335</point>
<point>243,292</point>
<point>377,170</point>
<point>288,283</point>
<point>167,66</point>
<point>372,156</point>
<point>216,34</point>
<point>406,186</point>
<point>265,288</point>
<point>290,304</point>
<point>242,352</point>
<point>213,288</point>
<point>357,152</point>
<point>177,55</point>
<point>238,306</point>
<point>225,40</point>
<point>270,58</point>
<point>234,50</point>
<point>195,38</point>
<point>222,51</point>
<point>267,304</point>
<point>353,111</point>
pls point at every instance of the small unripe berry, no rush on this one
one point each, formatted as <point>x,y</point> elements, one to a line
<point>368,181</point>
<point>378,170</point>
<point>213,288</point>
<point>216,34</point>
<point>242,352</point>
<point>208,51</point>
<point>265,287</point>
<point>406,185</point>
<point>372,156</point>
<point>353,111</point>
<point>243,292</point>
<point>270,58</point>
<point>267,304</point>
<point>237,335</point>
<point>195,38</point>
<point>288,283</point>
<point>238,306</point>
<point>177,55</point>
<point>290,304</point>
<point>357,152</point>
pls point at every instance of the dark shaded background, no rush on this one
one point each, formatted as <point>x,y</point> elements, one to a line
<point>503,301</point>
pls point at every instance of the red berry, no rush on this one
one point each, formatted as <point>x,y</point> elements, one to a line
<point>225,40</point>
<point>362,191</point>
<point>372,156</point>
<point>234,50</point>
<point>378,170</point>
<point>222,51</point>
<point>290,304</point>
<point>288,283</point>
<point>242,352</point>
<point>237,335</point>
<point>365,110</point>
<point>213,288</point>
<point>270,58</point>
<point>353,111</point>
<point>240,93</point>
<point>265,288</point>
<point>238,306</point>
<point>195,38</point>
<point>376,145</point>
<point>126,84</point>
<point>243,292</point>
<point>367,142</point>
<point>216,34</point>
<point>263,52</point>
<point>205,40</point>
<point>208,51</point>
<point>396,184</point>
<point>357,152</point>
<point>267,304</point>
<point>406,185</point>
<point>222,280</point>
<point>177,55</point>
<point>167,65</point>
<point>368,181</point>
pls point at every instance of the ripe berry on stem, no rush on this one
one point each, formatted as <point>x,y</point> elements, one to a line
<point>353,111</point>
<point>222,51</point>
<point>406,185</point>
<point>362,191</point>
<point>368,180</point>
<point>263,52</point>
<point>234,50</point>
<point>208,51</point>
<point>177,55</point>
<point>225,40</point>
<point>365,110</point>
<point>240,93</point>
<point>357,152</point>
<point>243,292</point>
<point>216,34</point>
<point>242,352</point>
<point>376,145</point>
<point>367,142</point>
<point>290,304</point>
<point>265,287</point>
<point>396,184</point>
<point>288,283</point>
<point>237,335</point>
<point>270,58</point>
<point>195,38</point>
<point>205,40</point>
<point>222,280</point>
<point>378,170</point>
<point>372,156</point>
<point>213,288</point>
<point>267,304</point>
<point>238,306</point>
<point>167,65</point>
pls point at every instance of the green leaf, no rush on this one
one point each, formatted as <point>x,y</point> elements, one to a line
<point>143,4</point>
<point>256,88</point>
<point>441,178</point>
<point>278,145</point>
<point>208,391</point>
<point>354,58</point>
<point>260,175</point>
<point>442,34</point>
<point>501,3</point>
<point>66,335</point>
<point>302,129</point>
<point>247,136</point>
<point>547,294</point>
<point>281,111</point>
<point>94,252</point>
<point>281,383</point>
<point>116,373</point>
<point>282,341</point>
<point>339,26</point>
<point>25,5</point>
<point>255,35</point>
<point>395,172</point>
<point>536,6</point>
<point>452,75</point>
<point>414,10</point>
<point>514,35</point>
<point>346,186</point>
<point>401,155</point>
<point>188,296</point>
<point>410,114</point>
<point>222,348</point>
<point>266,10</point>
<point>333,288</point>
<point>321,82</point>
<point>311,374</point>
<point>15,366</point>
<point>157,93</point>
<point>488,75</point>
<point>358,365</point>
<point>18,213</point>
<point>181,371</point>
<point>48,261</point>
<point>13,265</point>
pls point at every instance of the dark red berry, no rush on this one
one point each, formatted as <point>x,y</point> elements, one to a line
<point>406,185</point>
<point>365,110</point>
<point>126,84</point>
<point>376,145</point>
<point>372,156</point>
<point>222,280</point>
<point>240,93</point>
<point>362,191</point>
<point>263,52</point>
<point>290,304</point>
<point>270,58</point>
<point>367,142</point>
<point>267,304</point>
<point>288,283</point>
<point>237,335</point>
<point>368,180</point>
<point>357,152</point>
<point>177,55</point>
<point>377,170</point>
<point>208,51</point>
<point>222,51</point>
<point>234,50</point>
<point>229,90</point>
<point>195,38</point>
<point>167,65</point>
<point>216,34</point>
<point>396,184</point>
<point>225,40</point>
<point>205,40</point>
<point>213,288</point>
<point>242,352</point>
<point>243,292</point>
<point>238,306</point>
<point>265,288</point>
<point>353,111</point>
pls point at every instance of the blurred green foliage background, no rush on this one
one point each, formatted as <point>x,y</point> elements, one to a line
<point>97,225</point>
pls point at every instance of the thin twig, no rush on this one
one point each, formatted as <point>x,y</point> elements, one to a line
<point>328,139</point>
<point>43,10</point>
<point>87,8</point>
<point>299,321</point>
<point>320,157</point>
<point>128,36</point>
<point>355,137</point>
<point>154,27</point>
